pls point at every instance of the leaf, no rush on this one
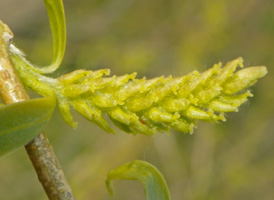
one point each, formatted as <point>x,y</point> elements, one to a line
<point>152,180</point>
<point>55,10</point>
<point>21,122</point>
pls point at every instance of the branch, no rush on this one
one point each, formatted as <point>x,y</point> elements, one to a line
<point>39,149</point>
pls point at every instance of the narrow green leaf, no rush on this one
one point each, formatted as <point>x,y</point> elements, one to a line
<point>152,180</point>
<point>21,122</point>
<point>55,10</point>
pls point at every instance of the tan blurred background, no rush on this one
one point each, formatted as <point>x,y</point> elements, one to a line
<point>231,160</point>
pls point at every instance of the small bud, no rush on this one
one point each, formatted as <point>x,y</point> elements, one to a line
<point>64,108</point>
<point>244,79</point>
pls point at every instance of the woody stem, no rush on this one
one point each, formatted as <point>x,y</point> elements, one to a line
<point>40,152</point>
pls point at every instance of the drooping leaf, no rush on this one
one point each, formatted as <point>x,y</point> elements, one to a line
<point>21,122</point>
<point>55,10</point>
<point>152,180</point>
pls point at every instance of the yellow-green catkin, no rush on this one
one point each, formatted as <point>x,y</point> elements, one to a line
<point>149,106</point>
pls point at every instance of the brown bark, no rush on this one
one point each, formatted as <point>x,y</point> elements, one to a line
<point>39,149</point>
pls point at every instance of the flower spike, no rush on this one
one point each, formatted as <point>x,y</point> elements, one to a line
<point>147,106</point>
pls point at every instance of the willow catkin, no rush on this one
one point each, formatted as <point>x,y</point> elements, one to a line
<point>147,106</point>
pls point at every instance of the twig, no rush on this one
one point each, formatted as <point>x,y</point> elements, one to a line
<point>39,149</point>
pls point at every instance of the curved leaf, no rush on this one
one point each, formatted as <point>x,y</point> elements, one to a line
<point>152,180</point>
<point>21,122</point>
<point>56,15</point>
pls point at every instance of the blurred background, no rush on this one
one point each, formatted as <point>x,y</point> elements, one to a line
<point>231,160</point>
